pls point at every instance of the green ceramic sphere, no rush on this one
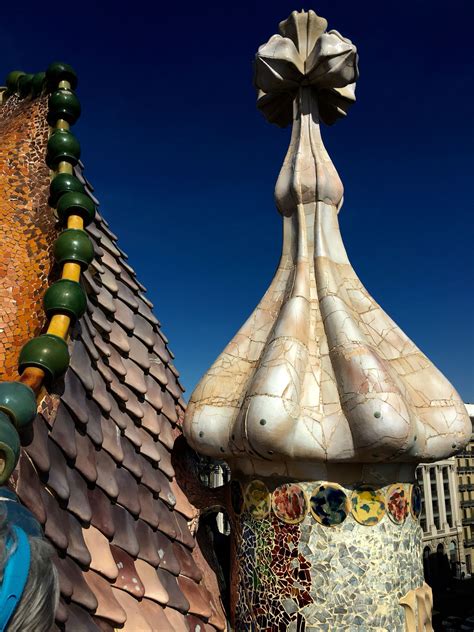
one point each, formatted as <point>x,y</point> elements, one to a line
<point>62,145</point>
<point>9,447</point>
<point>59,71</point>
<point>73,246</point>
<point>12,80</point>
<point>37,83</point>
<point>46,352</point>
<point>74,203</point>
<point>24,85</point>
<point>63,104</point>
<point>62,183</point>
<point>65,297</point>
<point>18,401</point>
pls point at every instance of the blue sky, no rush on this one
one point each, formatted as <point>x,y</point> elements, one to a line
<point>185,166</point>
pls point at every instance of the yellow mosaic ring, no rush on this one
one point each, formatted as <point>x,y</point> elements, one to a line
<point>257,499</point>
<point>368,505</point>
<point>289,503</point>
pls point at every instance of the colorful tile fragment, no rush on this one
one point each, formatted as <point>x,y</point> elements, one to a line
<point>289,503</point>
<point>397,504</point>
<point>329,504</point>
<point>415,504</point>
<point>368,505</point>
<point>236,497</point>
<point>257,499</point>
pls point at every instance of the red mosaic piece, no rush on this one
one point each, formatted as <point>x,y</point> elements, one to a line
<point>397,504</point>
<point>289,503</point>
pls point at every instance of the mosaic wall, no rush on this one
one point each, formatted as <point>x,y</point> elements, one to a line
<point>317,556</point>
<point>26,226</point>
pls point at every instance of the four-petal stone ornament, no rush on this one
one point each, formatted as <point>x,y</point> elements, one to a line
<point>304,55</point>
<point>319,375</point>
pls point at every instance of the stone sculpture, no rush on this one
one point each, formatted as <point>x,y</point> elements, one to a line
<point>320,404</point>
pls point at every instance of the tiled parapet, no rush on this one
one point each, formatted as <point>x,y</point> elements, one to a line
<point>319,373</point>
<point>324,556</point>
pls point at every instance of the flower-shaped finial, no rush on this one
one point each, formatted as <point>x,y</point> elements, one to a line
<point>305,55</point>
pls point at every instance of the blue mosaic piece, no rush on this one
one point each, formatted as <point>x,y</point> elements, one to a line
<point>329,504</point>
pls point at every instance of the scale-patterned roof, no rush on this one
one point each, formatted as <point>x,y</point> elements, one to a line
<point>98,472</point>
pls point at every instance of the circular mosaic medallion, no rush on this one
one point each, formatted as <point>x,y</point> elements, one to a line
<point>236,497</point>
<point>289,503</point>
<point>397,503</point>
<point>368,505</point>
<point>329,504</point>
<point>257,499</point>
<point>415,502</point>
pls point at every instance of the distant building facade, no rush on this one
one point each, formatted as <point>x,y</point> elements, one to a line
<point>465,473</point>
<point>447,517</point>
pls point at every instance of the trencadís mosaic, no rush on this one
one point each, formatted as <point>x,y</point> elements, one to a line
<point>328,503</point>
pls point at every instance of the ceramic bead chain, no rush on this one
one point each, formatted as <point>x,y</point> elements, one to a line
<point>45,358</point>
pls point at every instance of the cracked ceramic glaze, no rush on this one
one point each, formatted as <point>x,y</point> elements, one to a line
<point>319,373</point>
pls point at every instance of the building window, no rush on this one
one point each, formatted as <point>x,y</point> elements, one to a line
<point>434,497</point>
<point>447,497</point>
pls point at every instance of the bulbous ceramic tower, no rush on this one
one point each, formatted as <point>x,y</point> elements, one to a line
<point>321,405</point>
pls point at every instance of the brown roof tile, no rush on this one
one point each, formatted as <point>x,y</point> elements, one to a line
<point>177,599</point>
<point>155,615</point>
<point>128,491</point>
<point>102,515</point>
<point>79,619</point>
<point>94,428</point>
<point>55,527</point>
<point>65,581</point>
<point>86,457</point>
<point>78,498</point>
<point>63,432</point>
<point>135,620</point>
<point>77,548</point>
<point>125,536</point>
<point>131,460</point>
<point>73,396</point>
<point>154,588</point>
<point>81,593</point>
<point>186,562</point>
<point>57,479</point>
<point>102,560</point>
<point>197,602</point>
<point>128,578</point>
<point>108,607</point>
<point>29,488</point>
<point>106,474</point>
<point>38,449</point>
<point>111,439</point>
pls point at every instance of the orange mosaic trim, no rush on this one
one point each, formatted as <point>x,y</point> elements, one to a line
<point>27,227</point>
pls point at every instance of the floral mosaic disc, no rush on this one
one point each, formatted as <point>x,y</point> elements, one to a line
<point>257,499</point>
<point>368,505</point>
<point>329,504</point>
<point>397,503</point>
<point>415,503</point>
<point>236,497</point>
<point>289,503</point>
